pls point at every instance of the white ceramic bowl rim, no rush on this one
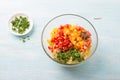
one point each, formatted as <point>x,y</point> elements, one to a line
<point>17,15</point>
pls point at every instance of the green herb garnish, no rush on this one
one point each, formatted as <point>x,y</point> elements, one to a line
<point>73,54</point>
<point>24,39</point>
<point>76,55</point>
<point>20,24</point>
<point>63,57</point>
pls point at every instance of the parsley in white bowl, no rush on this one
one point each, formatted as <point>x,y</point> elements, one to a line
<point>20,24</point>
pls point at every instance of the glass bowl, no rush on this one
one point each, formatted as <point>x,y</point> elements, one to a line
<point>68,19</point>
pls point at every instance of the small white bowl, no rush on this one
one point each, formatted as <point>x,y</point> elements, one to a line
<point>18,15</point>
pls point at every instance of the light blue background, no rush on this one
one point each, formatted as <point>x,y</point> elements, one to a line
<point>27,61</point>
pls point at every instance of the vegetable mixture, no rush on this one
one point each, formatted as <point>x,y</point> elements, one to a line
<point>20,24</point>
<point>70,44</point>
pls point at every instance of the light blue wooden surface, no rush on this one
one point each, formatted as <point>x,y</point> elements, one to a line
<point>27,61</point>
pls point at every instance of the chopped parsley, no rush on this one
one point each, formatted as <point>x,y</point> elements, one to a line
<point>24,39</point>
<point>73,54</point>
<point>20,24</point>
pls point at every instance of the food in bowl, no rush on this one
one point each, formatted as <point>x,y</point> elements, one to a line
<point>80,45</point>
<point>20,24</point>
<point>69,44</point>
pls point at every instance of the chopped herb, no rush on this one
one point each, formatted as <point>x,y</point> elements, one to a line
<point>64,57</point>
<point>76,55</point>
<point>24,39</point>
<point>20,24</point>
<point>28,38</point>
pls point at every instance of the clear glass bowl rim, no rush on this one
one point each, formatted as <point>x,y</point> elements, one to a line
<point>69,15</point>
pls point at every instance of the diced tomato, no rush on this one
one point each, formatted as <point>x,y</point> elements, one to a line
<point>66,26</point>
<point>79,28</point>
<point>60,32</point>
<point>66,42</point>
<point>61,27</point>
<point>88,33</point>
<point>63,41</point>
<point>56,46</point>
<point>51,49</point>
<point>60,38</point>
<point>88,43</point>
<point>64,48</point>
<point>53,39</point>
